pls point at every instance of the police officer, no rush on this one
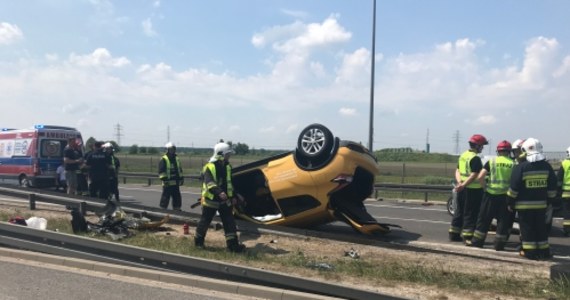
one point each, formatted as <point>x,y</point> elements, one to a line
<point>114,172</point>
<point>497,171</point>
<point>533,186</point>
<point>217,196</point>
<point>469,191</point>
<point>564,185</point>
<point>99,165</point>
<point>171,175</point>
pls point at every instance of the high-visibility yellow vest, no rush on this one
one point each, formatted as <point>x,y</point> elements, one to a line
<point>207,196</point>
<point>500,170</point>
<point>566,179</point>
<point>465,169</point>
<point>166,176</point>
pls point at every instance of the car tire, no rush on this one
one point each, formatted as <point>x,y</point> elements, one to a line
<point>450,208</point>
<point>315,147</point>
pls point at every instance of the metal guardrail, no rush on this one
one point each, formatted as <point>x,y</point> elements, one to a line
<point>418,188</point>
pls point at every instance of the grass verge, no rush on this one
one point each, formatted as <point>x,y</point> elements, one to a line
<point>373,273</point>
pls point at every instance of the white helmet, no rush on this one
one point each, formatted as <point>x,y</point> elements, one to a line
<point>221,149</point>
<point>170,145</point>
<point>533,149</point>
<point>568,152</point>
<point>107,146</point>
<point>518,143</point>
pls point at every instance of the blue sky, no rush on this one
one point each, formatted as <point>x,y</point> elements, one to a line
<point>257,72</point>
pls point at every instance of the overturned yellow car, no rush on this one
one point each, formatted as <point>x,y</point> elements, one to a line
<point>323,180</point>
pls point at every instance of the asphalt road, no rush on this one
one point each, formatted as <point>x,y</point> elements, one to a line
<point>33,280</point>
<point>419,221</point>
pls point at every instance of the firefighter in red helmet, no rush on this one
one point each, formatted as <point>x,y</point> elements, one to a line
<point>469,191</point>
<point>495,179</point>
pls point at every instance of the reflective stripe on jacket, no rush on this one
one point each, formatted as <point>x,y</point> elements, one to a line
<point>566,179</point>
<point>168,174</point>
<point>500,170</point>
<point>208,198</point>
<point>465,168</point>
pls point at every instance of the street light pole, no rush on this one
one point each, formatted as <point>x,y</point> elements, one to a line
<point>371,125</point>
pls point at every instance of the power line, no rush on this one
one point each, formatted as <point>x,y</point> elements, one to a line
<point>456,140</point>
<point>118,133</point>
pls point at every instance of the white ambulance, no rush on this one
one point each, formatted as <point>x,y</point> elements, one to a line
<point>31,156</point>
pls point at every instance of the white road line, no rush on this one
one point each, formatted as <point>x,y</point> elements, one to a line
<point>405,207</point>
<point>412,220</point>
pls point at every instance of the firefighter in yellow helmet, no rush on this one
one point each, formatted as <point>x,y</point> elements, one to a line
<point>564,186</point>
<point>533,186</point>
<point>218,196</point>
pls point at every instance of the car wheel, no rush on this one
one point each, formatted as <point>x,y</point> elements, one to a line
<point>316,146</point>
<point>315,141</point>
<point>450,208</point>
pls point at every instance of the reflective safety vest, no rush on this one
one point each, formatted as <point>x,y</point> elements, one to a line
<point>500,170</point>
<point>170,172</point>
<point>465,169</point>
<point>566,179</point>
<point>207,196</point>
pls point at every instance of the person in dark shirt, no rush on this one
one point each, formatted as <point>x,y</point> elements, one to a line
<point>99,165</point>
<point>72,160</point>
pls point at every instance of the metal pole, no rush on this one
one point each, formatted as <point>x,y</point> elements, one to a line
<point>371,125</point>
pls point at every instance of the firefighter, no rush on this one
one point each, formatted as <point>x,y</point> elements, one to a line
<point>564,186</point>
<point>114,172</point>
<point>469,191</point>
<point>517,154</point>
<point>217,196</point>
<point>497,173</point>
<point>533,186</point>
<point>171,175</point>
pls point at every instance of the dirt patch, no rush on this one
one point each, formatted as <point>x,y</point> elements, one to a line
<point>317,248</point>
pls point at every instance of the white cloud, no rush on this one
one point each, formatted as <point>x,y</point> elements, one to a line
<point>355,68</point>
<point>484,120</point>
<point>267,129</point>
<point>301,38</point>
<point>347,112</point>
<point>99,57</point>
<point>10,33</point>
<point>156,3</point>
<point>148,30</point>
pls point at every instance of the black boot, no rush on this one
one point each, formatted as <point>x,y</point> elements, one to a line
<point>455,237</point>
<point>235,246</point>
<point>499,245</point>
<point>199,242</point>
<point>476,243</point>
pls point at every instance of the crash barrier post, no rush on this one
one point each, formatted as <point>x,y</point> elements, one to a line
<point>32,198</point>
<point>83,208</point>
<point>560,271</point>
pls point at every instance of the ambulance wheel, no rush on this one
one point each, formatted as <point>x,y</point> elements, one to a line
<point>25,182</point>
